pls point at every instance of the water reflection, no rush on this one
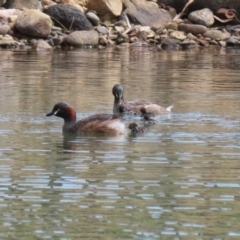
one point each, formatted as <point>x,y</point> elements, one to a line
<point>178,180</point>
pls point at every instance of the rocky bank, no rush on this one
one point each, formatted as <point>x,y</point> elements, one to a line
<point>47,25</point>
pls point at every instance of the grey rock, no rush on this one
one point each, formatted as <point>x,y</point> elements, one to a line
<point>4,29</point>
<point>147,14</point>
<point>191,36</point>
<point>102,30</point>
<point>40,45</point>
<point>34,23</point>
<point>79,38</point>
<point>171,44</point>
<point>216,34</point>
<point>68,17</point>
<point>233,41</point>
<point>203,17</point>
<point>195,29</point>
<point>93,18</point>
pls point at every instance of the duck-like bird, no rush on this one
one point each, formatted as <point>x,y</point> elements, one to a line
<point>97,123</point>
<point>121,107</point>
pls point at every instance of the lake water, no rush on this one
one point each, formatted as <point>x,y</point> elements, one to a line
<point>178,180</point>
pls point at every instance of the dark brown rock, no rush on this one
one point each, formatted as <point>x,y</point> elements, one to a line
<point>68,17</point>
<point>146,13</point>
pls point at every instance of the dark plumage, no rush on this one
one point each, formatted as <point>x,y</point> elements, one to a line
<point>147,116</point>
<point>135,129</point>
<point>121,107</point>
<point>98,123</point>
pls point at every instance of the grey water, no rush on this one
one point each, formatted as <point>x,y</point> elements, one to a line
<point>178,180</point>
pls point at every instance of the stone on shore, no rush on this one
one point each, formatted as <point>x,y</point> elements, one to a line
<point>68,17</point>
<point>203,17</point>
<point>178,35</point>
<point>171,44</point>
<point>146,13</point>
<point>233,41</point>
<point>4,29</point>
<point>34,23</point>
<point>216,34</point>
<point>80,38</point>
<point>106,9</point>
<point>6,40</point>
<point>93,18</point>
<point>23,4</point>
<point>195,29</point>
<point>40,45</point>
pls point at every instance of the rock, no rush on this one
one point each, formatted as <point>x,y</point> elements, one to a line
<point>203,17</point>
<point>191,36</point>
<point>103,40</point>
<point>79,38</point>
<point>69,17</point>
<point>172,25</point>
<point>40,45</point>
<point>102,30</point>
<point>189,44</point>
<point>6,41</point>
<point>222,43</point>
<point>4,29</point>
<point>93,18</point>
<point>22,4</point>
<point>34,23</point>
<point>178,35</point>
<point>146,14</point>
<point>203,42</point>
<point>216,34</point>
<point>171,44</point>
<point>12,21</point>
<point>192,28</point>
<point>214,5</point>
<point>119,30</point>
<point>123,39</point>
<point>2,2</point>
<point>233,41</point>
<point>160,30</point>
<point>121,23</point>
<point>106,9</point>
<point>213,42</point>
<point>72,3</point>
<point>233,29</point>
<point>225,35</point>
<point>6,13</point>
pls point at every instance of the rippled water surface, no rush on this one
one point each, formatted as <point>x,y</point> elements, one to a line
<point>178,180</point>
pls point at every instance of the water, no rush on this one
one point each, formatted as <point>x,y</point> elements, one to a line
<point>179,180</point>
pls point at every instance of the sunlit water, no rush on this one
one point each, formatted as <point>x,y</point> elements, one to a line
<point>178,180</point>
